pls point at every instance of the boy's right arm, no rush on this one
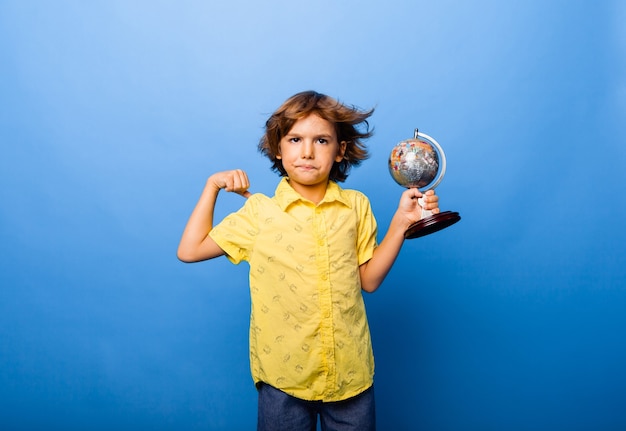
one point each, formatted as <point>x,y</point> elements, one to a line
<point>196,244</point>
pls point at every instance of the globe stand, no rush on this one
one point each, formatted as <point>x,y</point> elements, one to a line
<point>432,224</point>
<point>421,163</point>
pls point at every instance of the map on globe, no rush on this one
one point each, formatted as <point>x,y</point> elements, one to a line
<point>414,163</point>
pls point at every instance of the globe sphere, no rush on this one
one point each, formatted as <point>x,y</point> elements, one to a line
<point>414,163</point>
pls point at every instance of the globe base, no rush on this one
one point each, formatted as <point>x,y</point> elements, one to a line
<point>432,224</point>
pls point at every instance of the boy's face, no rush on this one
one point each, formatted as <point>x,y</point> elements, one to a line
<point>308,153</point>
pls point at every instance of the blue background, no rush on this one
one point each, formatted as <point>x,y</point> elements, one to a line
<point>114,113</point>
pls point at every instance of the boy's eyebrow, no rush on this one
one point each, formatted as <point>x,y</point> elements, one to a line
<point>321,135</point>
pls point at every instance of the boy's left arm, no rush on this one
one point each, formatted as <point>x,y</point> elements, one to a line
<point>409,211</point>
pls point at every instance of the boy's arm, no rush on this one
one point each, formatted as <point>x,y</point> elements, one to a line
<point>373,271</point>
<point>196,244</point>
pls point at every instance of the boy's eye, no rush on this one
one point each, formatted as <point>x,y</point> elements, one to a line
<point>322,141</point>
<point>294,140</point>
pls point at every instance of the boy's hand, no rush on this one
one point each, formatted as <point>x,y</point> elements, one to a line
<point>235,181</point>
<point>411,209</point>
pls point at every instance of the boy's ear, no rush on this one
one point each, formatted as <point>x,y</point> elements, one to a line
<point>341,152</point>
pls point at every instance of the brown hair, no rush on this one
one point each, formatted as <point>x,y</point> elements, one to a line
<point>345,118</point>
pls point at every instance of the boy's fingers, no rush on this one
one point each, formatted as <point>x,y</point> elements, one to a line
<point>413,193</point>
<point>241,180</point>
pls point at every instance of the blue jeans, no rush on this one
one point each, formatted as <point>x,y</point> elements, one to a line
<point>281,412</point>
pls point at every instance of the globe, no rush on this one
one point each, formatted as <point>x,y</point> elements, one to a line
<point>420,162</point>
<point>416,163</point>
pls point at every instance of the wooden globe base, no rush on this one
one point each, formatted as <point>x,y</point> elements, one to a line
<point>432,224</point>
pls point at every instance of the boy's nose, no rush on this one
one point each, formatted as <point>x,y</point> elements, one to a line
<point>307,150</point>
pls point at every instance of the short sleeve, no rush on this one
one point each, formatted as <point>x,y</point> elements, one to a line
<point>367,230</point>
<point>237,232</point>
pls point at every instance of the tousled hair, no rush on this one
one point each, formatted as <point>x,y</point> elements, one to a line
<point>346,120</point>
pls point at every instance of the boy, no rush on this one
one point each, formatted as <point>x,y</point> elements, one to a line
<point>312,249</point>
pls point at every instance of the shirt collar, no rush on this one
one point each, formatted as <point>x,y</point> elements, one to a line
<point>285,195</point>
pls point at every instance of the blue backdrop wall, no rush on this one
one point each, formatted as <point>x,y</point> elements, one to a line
<point>114,113</point>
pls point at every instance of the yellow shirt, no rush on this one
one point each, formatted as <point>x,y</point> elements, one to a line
<point>309,335</point>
